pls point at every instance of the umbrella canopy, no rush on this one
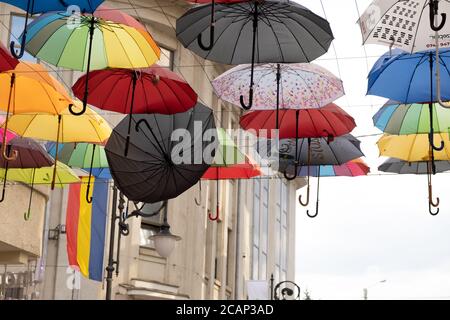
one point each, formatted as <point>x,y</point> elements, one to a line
<point>65,127</point>
<point>115,45</point>
<point>330,120</point>
<point>419,167</point>
<point>403,24</point>
<point>282,32</point>
<point>410,78</point>
<point>158,166</point>
<point>8,135</point>
<point>318,86</point>
<point>42,176</point>
<point>235,171</point>
<point>80,155</point>
<point>319,151</point>
<point>96,42</point>
<point>401,119</point>
<point>414,147</point>
<point>29,88</point>
<point>30,155</point>
<point>354,168</point>
<point>150,90</point>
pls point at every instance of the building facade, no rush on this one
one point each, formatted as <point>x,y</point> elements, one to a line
<point>254,237</point>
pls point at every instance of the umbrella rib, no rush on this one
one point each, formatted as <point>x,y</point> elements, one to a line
<point>246,21</point>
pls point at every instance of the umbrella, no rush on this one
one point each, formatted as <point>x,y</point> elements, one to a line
<point>316,152</point>
<point>41,6</point>
<point>410,79</point>
<point>277,86</point>
<point>97,42</point>
<point>256,32</point>
<point>158,166</point>
<point>29,88</point>
<point>64,127</point>
<point>412,148</point>
<point>412,26</point>
<point>151,90</point>
<point>30,154</point>
<point>229,163</point>
<point>354,168</point>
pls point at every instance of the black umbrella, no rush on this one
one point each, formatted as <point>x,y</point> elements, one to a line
<point>257,31</point>
<point>167,155</point>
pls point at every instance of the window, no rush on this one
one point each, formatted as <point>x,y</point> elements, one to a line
<point>150,225</point>
<point>260,229</point>
<point>167,58</point>
<point>16,27</point>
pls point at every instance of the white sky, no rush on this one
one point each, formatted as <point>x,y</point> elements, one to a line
<point>377,227</point>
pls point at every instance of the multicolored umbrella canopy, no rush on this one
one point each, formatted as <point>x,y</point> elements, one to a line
<point>255,32</point>
<point>301,86</point>
<point>29,88</point>
<point>79,155</point>
<point>414,147</point>
<point>403,119</point>
<point>330,120</point>
<point>96,42</point>
<point>410,78</point>
<point>419,167</point>
<point>42,6</point>
<point>404,24</point>
<point>161,165</point>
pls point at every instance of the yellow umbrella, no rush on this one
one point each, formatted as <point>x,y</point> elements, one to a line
<point>29,88</point>
<point>414,148</point>
<point>40,176</point>
<point>62,128</point>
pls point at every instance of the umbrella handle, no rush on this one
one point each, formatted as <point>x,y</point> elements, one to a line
<point>250,100</point>
<point>77,113</point>
<point>6,157</point>
<point>430,210</point>
<point>305,204</point>
<point>317,211</point>
<point>440,148</point>
<point>211,32</point>
<point>214,218</point>
<point>12,45</point>
<point>434,12</point>
<point>294,176</point>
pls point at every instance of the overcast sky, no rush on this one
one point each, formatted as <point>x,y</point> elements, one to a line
<point>372,228</point>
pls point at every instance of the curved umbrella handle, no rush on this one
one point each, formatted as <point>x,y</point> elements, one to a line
<point>434,12</point>
<point>304,204</point>
<point>315,214</point>
<point>294,176</point>
<point>214,218</point>
<point>430,210</point>
<point>27,215</point>
<point>211,32</point>
<point>440,148</point>
<point>77,113</point>
<point>250,100</point>
<point>12,45</point>
<point>7,157</point>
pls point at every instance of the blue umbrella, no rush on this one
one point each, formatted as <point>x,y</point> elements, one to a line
<point>42,6</point>
<point>410,78</point>
<point>405,77</point>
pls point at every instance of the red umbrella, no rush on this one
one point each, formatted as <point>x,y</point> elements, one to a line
<point>7,61</point>
<point>150,90</point>
<point>329,121</point>
<point>213,19</point>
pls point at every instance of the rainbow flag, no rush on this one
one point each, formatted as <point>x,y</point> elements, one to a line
<point>86,227</point>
